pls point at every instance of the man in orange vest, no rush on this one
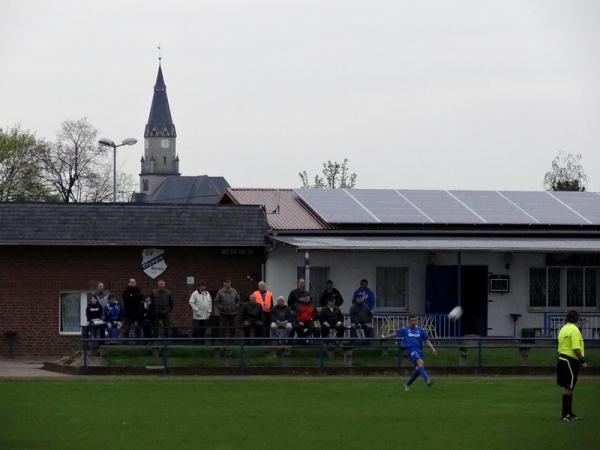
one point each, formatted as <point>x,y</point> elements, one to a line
<point>265,299</point>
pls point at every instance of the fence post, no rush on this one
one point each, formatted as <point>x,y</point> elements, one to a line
<point>479,355</point>
<point>165,358</point>
<point>242,359</point>
<point>321,356</point>
<point>85,348</point>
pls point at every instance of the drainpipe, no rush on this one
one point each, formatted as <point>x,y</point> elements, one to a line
<point>459,289</point>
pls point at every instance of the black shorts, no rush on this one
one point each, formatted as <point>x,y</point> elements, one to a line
<point>567,370</point>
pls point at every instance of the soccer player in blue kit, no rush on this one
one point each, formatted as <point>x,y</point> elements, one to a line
<point>414,337</point>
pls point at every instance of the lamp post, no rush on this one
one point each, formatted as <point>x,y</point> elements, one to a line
<point>109,143</point>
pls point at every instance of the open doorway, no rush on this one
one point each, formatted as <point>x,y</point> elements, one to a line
<point>442,295</point>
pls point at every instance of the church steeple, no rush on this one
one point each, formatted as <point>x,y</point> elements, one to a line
<point>160,153</point>
<point>160,123</point>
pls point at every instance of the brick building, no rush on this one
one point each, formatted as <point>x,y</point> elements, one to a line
<point>53,255</point>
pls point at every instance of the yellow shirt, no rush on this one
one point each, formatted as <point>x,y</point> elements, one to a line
<point>569,339</point>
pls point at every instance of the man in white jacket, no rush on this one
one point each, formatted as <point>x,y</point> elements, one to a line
<point>201,304</point>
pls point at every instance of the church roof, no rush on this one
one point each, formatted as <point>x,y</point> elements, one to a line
<point>201,189</point>
<point>160,123</point>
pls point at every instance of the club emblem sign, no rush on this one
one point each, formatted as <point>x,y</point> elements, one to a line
<point>153,262</point>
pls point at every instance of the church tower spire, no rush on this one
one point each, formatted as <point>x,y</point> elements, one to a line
<point>160,157</point>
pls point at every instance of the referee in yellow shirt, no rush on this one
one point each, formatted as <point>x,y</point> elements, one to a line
<point>570,359</point>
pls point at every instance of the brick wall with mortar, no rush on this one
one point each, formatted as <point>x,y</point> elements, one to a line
<point>31,279</point>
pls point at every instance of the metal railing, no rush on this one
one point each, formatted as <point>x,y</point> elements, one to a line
<point>589,324</point>
<point>164,354</point>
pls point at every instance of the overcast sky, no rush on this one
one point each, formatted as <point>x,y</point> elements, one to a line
<point>435,94</point>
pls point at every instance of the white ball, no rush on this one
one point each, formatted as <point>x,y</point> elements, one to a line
<point>456,313</point>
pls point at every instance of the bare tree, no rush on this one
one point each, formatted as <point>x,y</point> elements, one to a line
<point>335,175</point>
<point>78,169</point>
<point>20,172</point>
<point>567,174</point>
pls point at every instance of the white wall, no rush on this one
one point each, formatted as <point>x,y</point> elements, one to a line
<point>347,268</point>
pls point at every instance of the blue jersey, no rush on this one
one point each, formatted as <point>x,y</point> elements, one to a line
<point>414,338</point>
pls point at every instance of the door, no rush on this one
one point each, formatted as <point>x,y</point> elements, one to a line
<point>441,295</point>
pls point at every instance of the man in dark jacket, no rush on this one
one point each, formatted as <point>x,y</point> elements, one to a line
<point>132,299</point>
<point>147,317</point>
<point>253,319</point>
<point>332,319</point>
<point>331,293</point>
<point>281,319</point>
<point>296,295</point>
<point>227,302</point>
<point>360,317</point>
<point>163,305</point>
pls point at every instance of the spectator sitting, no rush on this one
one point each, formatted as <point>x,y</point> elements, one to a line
<point>113,315</point>
<point>147,317</point>
<point>332,319</point>
<point>253,319</point>
<point>94,314</point>
<point>281,319</point>
<point>365,293</point>
<point>360,317</point>
<point>306,314</point>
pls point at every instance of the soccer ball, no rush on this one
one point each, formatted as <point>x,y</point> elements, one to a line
<point>455,314</point>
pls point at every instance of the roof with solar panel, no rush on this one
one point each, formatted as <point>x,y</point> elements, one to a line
<point>406,206</point>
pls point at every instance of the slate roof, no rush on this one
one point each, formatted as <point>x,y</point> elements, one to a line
<point>284,209</point>
<point>201,189</point>
<point>131,224</point>
<point>159,121</point>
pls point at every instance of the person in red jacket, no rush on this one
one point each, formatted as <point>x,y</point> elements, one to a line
<point>306,318</point>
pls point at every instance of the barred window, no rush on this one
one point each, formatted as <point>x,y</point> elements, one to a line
<point>544,287</point>
<point>318,277</point>
<point>391,287</point>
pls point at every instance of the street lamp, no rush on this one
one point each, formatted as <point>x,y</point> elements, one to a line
<point>109,143</point>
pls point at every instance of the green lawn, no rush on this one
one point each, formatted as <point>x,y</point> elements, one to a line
<point>294,413</point>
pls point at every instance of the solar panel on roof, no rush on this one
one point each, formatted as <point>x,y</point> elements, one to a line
<point>389,206</point>
<point>441,206</point>
<point>544,208</point>
<point>493,207</point>
<point>335,206</point>
<point>585,203</point>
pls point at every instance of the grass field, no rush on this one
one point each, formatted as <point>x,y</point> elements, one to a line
<point>294,413</point>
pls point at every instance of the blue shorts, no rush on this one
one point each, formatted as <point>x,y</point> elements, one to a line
<point>414,355</point>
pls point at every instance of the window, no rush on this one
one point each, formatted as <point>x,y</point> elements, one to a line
<point>391,287</point>
<point>164,160</point>
<point>582,287</point>
<point>318,277</point>
<point>145,184</point>
<point>545,287</point>
<point>164,143</point>
<point>72,311</point>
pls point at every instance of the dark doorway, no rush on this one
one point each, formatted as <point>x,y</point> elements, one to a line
<point>441,295</point>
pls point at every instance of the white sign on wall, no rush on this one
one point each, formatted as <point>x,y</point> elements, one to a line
<point>153,262</point>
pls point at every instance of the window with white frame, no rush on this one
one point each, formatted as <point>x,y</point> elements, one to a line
<point>72,311</point>
<point>391,287</point>
<point>567,287</point>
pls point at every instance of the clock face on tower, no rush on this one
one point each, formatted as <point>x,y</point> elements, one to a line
<point>164,143</point>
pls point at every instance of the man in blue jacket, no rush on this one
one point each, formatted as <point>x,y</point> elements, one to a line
<point>113,316</point>
<point>365,293</point>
